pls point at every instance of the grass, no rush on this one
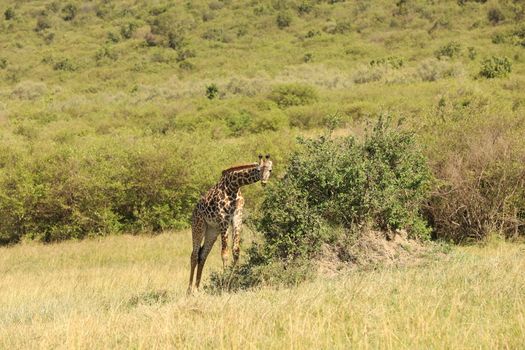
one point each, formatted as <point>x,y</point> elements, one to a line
<point>129,292</point>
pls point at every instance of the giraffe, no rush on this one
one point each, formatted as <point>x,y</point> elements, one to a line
<point>221,206</point>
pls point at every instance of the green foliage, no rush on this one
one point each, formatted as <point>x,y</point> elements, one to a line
<point>451,50</point>
<point>391,61</point>
<point>64,64</point>
<point>347,57</point>
<point>333,187</point>
<point>472,53</point>
<point>495,15</point>
<point>284,19</point>
<point>342,182</point>
<point>9,13</point>
<point>305,7</point>
<point>495,67</point>
<point>128,29</point>
<point>212,91</point>
<point>287,95</point>
<point>307,57</point>
<point>69,12</point>
<point>42,23</point>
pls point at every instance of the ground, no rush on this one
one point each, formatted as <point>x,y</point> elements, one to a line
<point>129,292</point>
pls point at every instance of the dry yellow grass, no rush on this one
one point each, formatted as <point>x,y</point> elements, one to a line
<point>129,292</point>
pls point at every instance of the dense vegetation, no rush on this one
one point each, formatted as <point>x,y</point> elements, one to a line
<point>115,116</point>
<point>333,192</point>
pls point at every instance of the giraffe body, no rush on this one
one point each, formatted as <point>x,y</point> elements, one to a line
<point>219,208</point>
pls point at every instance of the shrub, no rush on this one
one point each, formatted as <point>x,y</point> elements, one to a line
<point>42,23</point>
<point>472,53</point>
<point>367,74</point>
<point>69,12</point>
<point>451,50</point>
<point>432,70</point>
<point>283,20</point>
<point>184,54</point>
<point>333,187</point>
<point>176,40</point>
<point>3,63</point>
<point>391,61</point>
<point>128,29</point>
<point>64,65</point>
<point>287,95</point>
<point>186,65</point>
<point>151,40</point>
<point>113,37</point>
<point>48,38</point>
<point>498,38</point>
<point>212,91</point>
<point>495,15</point>
<point>495,67</point>
<point>105,53</point>
<point>9,13</point>
<point>29,90</point>
<point>216,35</point>
<point>481,188</point>
<point>305,7</point>
<point>215,5</point>
<point>307,57</point>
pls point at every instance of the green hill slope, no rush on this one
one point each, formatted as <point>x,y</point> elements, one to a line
<point>116,115</point>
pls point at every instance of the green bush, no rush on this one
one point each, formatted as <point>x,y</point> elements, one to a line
<point>451,50</point>
<point>9,13</point>
<point>212,91</point>
<point>69,12</point>
<point>305,7</point>
<point>287,95</point>
<point>391,61</point>
<point>472,53</point>
<point>333,187</point>
<point>495,15</point>
<point>128,29</point>
<point>42,23</point>
<point>107,186</point>
<point>495,67</point>
<point>3,63</point>
<point>64,65</point>
<point>284,19</point>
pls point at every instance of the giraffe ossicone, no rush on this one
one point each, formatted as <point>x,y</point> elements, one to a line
<point>219,208</point>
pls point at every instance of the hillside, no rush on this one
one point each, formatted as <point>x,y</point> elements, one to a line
<point>115,116</point>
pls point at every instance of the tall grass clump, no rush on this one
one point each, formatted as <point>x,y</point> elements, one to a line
<point>332,189</point>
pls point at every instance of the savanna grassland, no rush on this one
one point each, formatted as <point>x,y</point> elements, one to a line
<point>390,116</point>
<point>129,292</point>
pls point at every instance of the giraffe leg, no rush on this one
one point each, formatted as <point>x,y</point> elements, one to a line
<point>224,248</point>
<point>198,229</point>
<point>237,226</point>
<point>209,239</point>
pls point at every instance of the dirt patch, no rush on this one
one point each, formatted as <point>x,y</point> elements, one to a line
<point>372,249</point>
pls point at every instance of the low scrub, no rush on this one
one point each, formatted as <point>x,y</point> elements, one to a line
<point>495,67</point>
<point>287,95</point>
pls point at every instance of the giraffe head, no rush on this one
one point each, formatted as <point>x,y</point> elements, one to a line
<point>265,167</point>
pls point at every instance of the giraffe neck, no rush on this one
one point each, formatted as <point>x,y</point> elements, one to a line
<point>234,180</point>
